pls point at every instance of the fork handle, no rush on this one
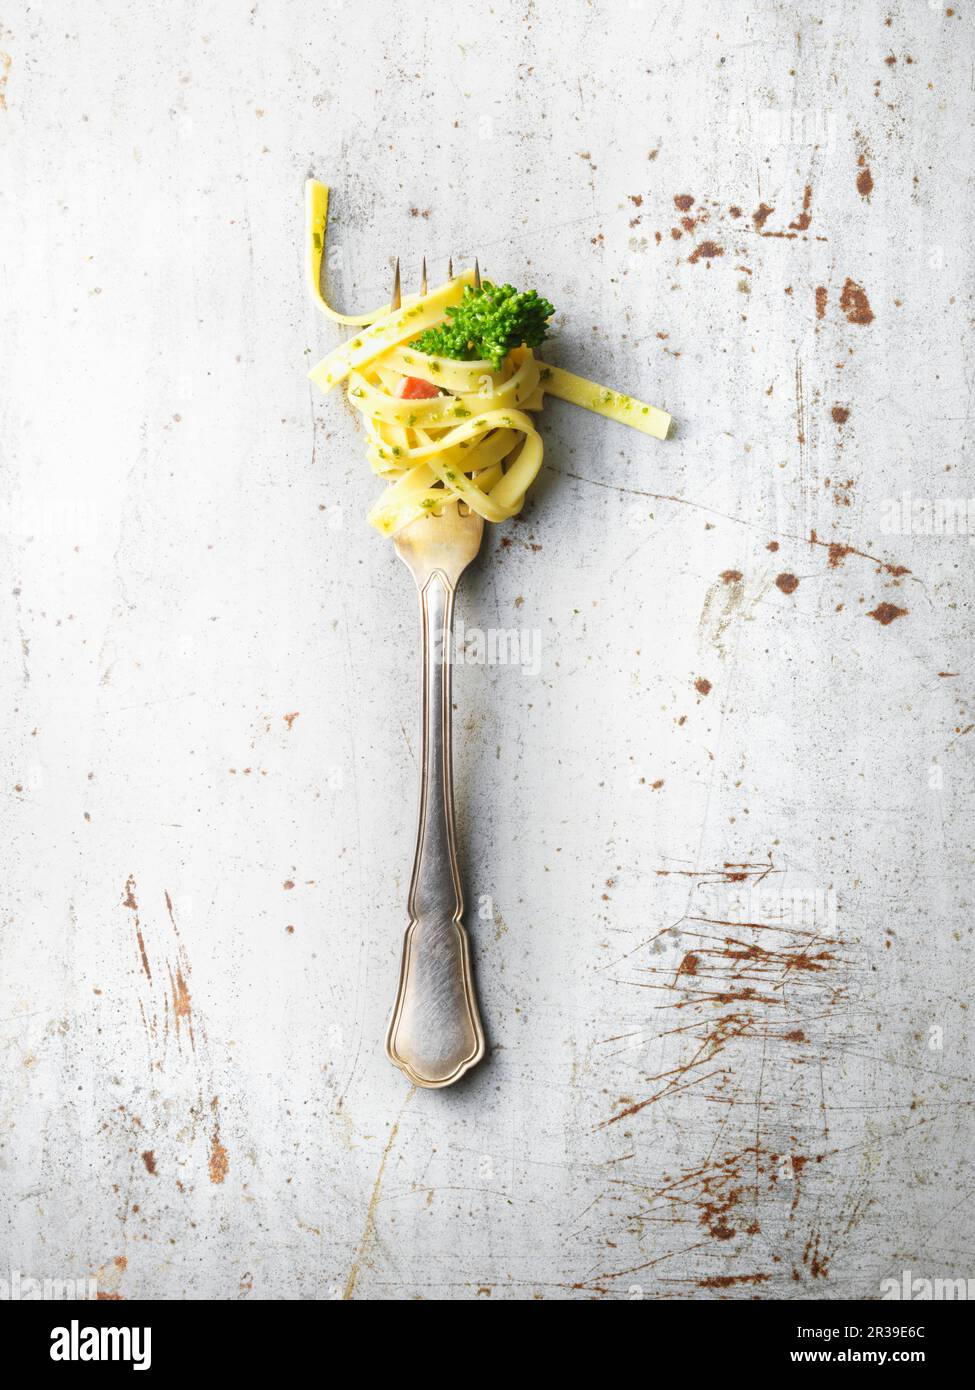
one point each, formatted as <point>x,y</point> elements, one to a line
<point>435,1033</point>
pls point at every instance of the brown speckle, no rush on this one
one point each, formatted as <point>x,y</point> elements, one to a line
<point>885,613</point>
<point>731,576</point>
<point>855,304</point>
<point>289,719</point>
<point>149,1159</point>
<point>788,583</point>
<point>708,250</point>
<point>683,202</point>
<point>702,685</point>
<point>840,414</point>
<point>864,180</point>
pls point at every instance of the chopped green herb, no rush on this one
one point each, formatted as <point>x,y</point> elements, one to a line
<point>487,323</point>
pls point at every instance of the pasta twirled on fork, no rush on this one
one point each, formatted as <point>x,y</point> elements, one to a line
<point>441,430</point>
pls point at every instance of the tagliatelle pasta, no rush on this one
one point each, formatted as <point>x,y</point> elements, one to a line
<point>473,441</point>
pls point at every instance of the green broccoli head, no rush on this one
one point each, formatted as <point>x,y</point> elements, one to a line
<point>487,323</point>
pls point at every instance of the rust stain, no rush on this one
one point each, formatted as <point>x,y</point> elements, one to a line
<point>815,1259</point>
<point>864,178</point>
<point>838,553</point>
<point>129,901</point>
<point>788,583</point>
<point>761,215</point>
<point>744,978</point>
<point>840,414</point>
<point>369,1230</point>
<point>219,1160</point>
<point>181,1000</point>
<point>855,304</point>
<point>728,1281</point>
<point>885,613</point>
<point>179,991</point>
<point>822,294</point>
<point>728,873</point>
<point>702,685</point>
<point>731,576</point>
<point>289,719</point>
<point>805,217</point>
<point>749,998</point>
<point>109,1297</point>
<point>683,202</point>
<point>708,251</point>
<point>5,63</point>
<point>149,1159</point>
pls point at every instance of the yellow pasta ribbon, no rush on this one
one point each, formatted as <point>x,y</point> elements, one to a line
<point>474,442</point>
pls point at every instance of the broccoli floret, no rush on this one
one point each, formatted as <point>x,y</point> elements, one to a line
<point>487,323</point>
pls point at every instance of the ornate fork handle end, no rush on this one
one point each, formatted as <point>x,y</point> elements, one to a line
<point>435,1033</point>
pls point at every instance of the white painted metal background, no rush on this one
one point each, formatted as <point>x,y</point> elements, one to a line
<point>717,850</point>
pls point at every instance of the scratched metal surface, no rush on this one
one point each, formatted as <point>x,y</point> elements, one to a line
<point>717,846</point>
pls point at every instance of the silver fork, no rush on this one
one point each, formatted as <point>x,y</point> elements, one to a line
<point>435,1033</point>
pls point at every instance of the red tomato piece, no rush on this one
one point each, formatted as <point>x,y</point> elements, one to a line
<point>414,388</point>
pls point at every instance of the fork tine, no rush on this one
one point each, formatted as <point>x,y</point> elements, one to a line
<point>396,300</point>
<point>477,275</point>
<point>423,277</point>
